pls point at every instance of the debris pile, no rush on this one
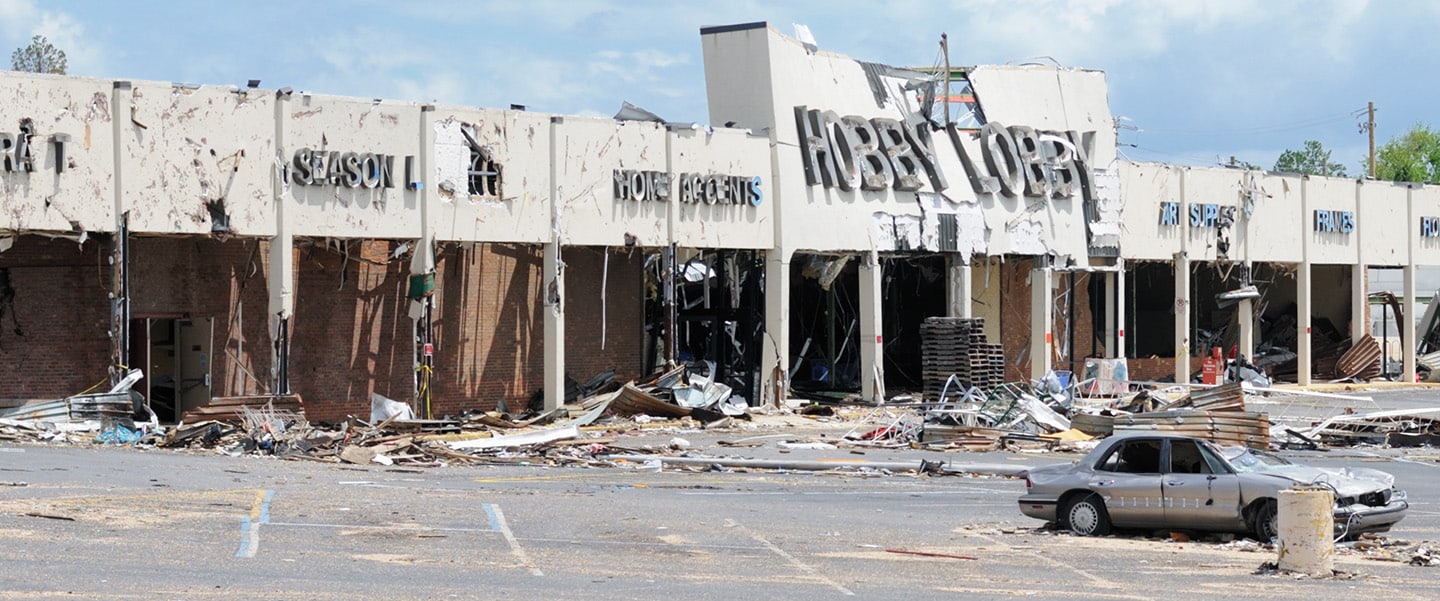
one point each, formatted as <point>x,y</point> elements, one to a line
<point>1215,414</point>
<point>953,347</point>
<point>1378,547</point>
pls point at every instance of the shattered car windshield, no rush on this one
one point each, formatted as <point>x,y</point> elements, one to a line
<point>1246,460</point>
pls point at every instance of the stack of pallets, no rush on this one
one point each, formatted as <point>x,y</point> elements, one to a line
<point>957,346</point>
<point>1221,427</point>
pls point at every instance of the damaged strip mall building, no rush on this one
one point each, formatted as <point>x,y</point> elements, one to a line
<point>247,242</point>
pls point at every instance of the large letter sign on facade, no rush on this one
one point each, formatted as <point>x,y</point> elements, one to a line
<point>859,146</point>
<point>880,153</point>
<point>892,138</point>
<point>883,153</point>
<point>348,169</point>
<point>815,143</point>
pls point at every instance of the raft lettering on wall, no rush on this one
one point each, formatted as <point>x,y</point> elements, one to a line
<point>695,188</point>
<point>1328,221</point>
<point>349,169</point>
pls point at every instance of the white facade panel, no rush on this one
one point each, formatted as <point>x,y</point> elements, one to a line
<point>613,186</point>
<point>359,158</point>
<point>65,116</point>
<point>1330,221</point>
<point>514,206</point>
<point>1274,231</point>
<point>1211,214</point>
<point>734,90</point>
<point>1385,224</point>
<point>1051,99</point>
<point>839,190</point>
<point>723,196</point>
<point>199,160</point>
<point>1148,189</point>
<point>1424,202</point>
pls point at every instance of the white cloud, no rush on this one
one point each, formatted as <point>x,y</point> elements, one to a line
<point>17,19</point>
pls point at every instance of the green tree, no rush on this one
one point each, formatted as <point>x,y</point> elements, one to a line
<point>1313,160</point>
<point>39,57</point>
<point>1412,157</point>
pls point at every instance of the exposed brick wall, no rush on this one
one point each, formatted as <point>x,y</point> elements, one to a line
<point>1157,368</point>
<point>222,279</point>
<point>623,311</point>
<point>54,331</point>
<point>1014,275</point>
<point>1015,303</point>
<point>1081,325</point>
<point>489,327</point>
<point>351,332</point>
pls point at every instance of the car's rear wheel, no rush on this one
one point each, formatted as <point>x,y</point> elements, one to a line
<point>1264,521</point>
<point>1086,516</point>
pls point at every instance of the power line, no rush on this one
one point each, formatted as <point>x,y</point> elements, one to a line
<point>1256,130</point>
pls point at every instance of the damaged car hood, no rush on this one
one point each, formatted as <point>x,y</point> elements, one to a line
<point>1346,482</point>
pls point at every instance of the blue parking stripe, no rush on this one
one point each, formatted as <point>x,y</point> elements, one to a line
<point>490,515</point>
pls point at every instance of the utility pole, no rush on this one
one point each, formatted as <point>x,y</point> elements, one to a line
<point>1370,127</point>
<point>945,50</point>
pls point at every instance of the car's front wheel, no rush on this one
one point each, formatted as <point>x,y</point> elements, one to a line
<point>1264,521</point>
<point>1086,516</point>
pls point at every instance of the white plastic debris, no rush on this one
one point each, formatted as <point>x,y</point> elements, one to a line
<point>382,408</point>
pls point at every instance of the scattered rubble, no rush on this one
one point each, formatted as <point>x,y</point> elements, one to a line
<point>963,407</point>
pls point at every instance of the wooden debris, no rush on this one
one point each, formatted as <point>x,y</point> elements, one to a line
<point>1094,424</point>
<point>1222,427</point>
<point>1225,397</point>
<point>231,409</point>
<point>958,346</point>
<point>1361,360</point>
<point>634,401</point>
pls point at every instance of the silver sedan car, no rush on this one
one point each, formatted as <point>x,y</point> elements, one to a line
<point>1175,482</point>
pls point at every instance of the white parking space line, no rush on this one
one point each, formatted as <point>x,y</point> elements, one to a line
<point>388,528</point>
<point>250,524</point>
<point>802,566</point>
<point>497,519</point>
<point>1050,560</point>
<point>853,493</point>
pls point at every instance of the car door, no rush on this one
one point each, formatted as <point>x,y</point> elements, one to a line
<point>1129,480</point>
<point>1200,492</point>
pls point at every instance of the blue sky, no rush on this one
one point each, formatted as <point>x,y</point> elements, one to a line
<point>1195,81</point>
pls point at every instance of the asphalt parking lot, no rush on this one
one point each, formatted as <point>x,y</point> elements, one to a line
<point>87,522</point>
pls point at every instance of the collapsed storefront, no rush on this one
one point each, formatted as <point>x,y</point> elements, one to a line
<point>248,243</point>
<point>889,216</point>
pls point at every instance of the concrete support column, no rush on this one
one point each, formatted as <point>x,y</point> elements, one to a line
<point>775,350</point>
<point>872,343</point>
<point>1182,317</point>
<point>422,264</point>
<point>1113,327</point>
<point>554,293</point>
<point>1408,329</point>
<point>1245,318</point>
<point>960,288</point>
<point>1042,321</point>
<point>281,282</point>
<point>1245,315</point>
<point>1119,311</point>
<point>1359,302</point>
<point>1304,295</point>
